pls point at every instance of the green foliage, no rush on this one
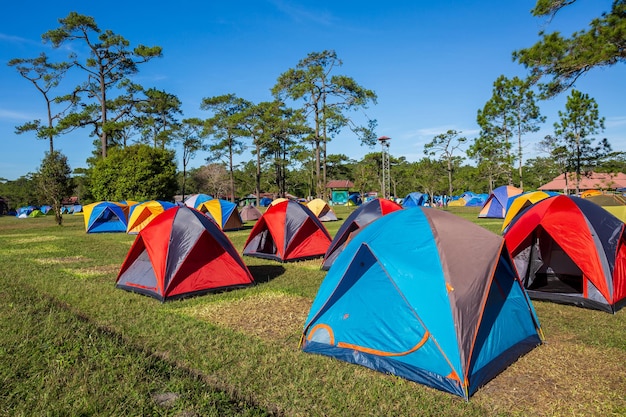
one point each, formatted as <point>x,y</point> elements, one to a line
<point>45,76</point>
<point>137,172</point>
<point>157,117</point>
<point>564,59</point>
<point>445,145</point>
<point>20,192</point>
<point>572,140</point>
<point>54,182</point>
<point>327,99</point>
<point>510,112</point>
<point>107,67</point>
<point>226,127</point>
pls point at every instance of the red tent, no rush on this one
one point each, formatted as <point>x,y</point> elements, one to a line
<point>572,251</point>
<point>182,253</point>
<point>287,231</point>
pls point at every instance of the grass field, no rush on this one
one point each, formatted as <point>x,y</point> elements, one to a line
<point>71,344</point>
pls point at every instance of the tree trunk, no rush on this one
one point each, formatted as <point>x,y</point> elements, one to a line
<point>258,175</point>
<point>232,176</point>
<point>103,110</point>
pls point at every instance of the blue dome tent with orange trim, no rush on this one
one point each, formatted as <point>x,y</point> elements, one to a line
<point>427,296</point>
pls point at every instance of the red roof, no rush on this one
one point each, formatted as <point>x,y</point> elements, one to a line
<point>591,181</point>
<point>339,184</point>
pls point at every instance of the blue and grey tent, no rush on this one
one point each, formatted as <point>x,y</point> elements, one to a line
<point>354,199</point>
<point>427,296</point>
<point>195,200</point>
<point>496,204</point>
<point>105,217</point>
<point>415,200</point>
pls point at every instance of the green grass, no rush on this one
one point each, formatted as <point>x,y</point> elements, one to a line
<point>72,344</point>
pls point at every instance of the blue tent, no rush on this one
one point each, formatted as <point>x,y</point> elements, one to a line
<point>495,206</point>
<point>448,312</point>
<point>478,200</point>
<point>355,199</point>
<point>265,201</point>
<point>415,200</point>
<point>105,217</point>
<point>25,211</point>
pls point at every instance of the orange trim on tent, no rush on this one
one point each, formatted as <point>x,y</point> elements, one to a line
<point>382,353</point>
<point>325,327</point>
<point>454,376</point>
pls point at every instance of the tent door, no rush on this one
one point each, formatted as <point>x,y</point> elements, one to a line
<point>556,273</point>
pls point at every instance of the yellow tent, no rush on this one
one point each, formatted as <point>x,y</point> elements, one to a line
<point>142,214</point>
<point>322,210</point>
<point>522,201</point>
<point>223,212</point>
<point>276,201</point>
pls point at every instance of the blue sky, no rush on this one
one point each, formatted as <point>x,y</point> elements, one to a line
<point>431,63</point>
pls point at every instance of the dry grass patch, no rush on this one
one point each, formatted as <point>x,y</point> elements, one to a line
<point>60,261</point>
<point>314,264</point>
<point>34,239</point>
<point>36,250</point>
<point>275,317</point>
<point>93,271</point>
<point>561,378</point>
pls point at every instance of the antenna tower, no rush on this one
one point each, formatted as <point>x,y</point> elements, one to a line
<point>384,142</point>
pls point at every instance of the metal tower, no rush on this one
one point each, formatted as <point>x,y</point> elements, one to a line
<point>384,142</point>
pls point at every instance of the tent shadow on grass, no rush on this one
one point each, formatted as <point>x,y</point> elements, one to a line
<point>265,273</point>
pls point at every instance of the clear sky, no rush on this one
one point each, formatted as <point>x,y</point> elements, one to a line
<point>431,63</point>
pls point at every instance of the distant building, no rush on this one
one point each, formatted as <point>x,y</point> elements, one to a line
<point>339,190</point>
<point>566,183</point>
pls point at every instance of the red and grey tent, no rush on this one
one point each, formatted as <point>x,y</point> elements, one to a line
<point>357,220</point>
<point>569,250</point>
<point>287,231</point>
<point>182,253</point>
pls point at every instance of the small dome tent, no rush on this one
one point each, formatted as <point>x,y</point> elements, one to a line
<point>287,231</point>
<point>613,203</point>
<point>358,219</point>
<point>322,210</point>
<point>441,306</point>
<point>354,199</point>
<point>179,254</point>
<point>495,206</point>
<point>571,251</point>
<point>195,200</point>
<point>105,217</point>
<point>142,214</point>
<point>518,203</point>
<point>223,212</point>
<point>250,213</point>
<point>415,199</point>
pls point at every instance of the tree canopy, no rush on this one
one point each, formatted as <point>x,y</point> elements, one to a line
<point>137,172</point>
<point>107,67</point>
<point>562,60</point>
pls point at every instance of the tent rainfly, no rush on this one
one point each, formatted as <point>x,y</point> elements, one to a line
<point>182,253</point>
<point>441,306</point>
<point>571,251</point>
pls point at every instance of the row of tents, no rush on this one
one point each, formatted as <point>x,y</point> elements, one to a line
<point>131,217</point>
<point>419,293</point>
<point>36,211</point>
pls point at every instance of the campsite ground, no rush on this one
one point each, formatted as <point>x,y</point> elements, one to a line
<point>72,344</point>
